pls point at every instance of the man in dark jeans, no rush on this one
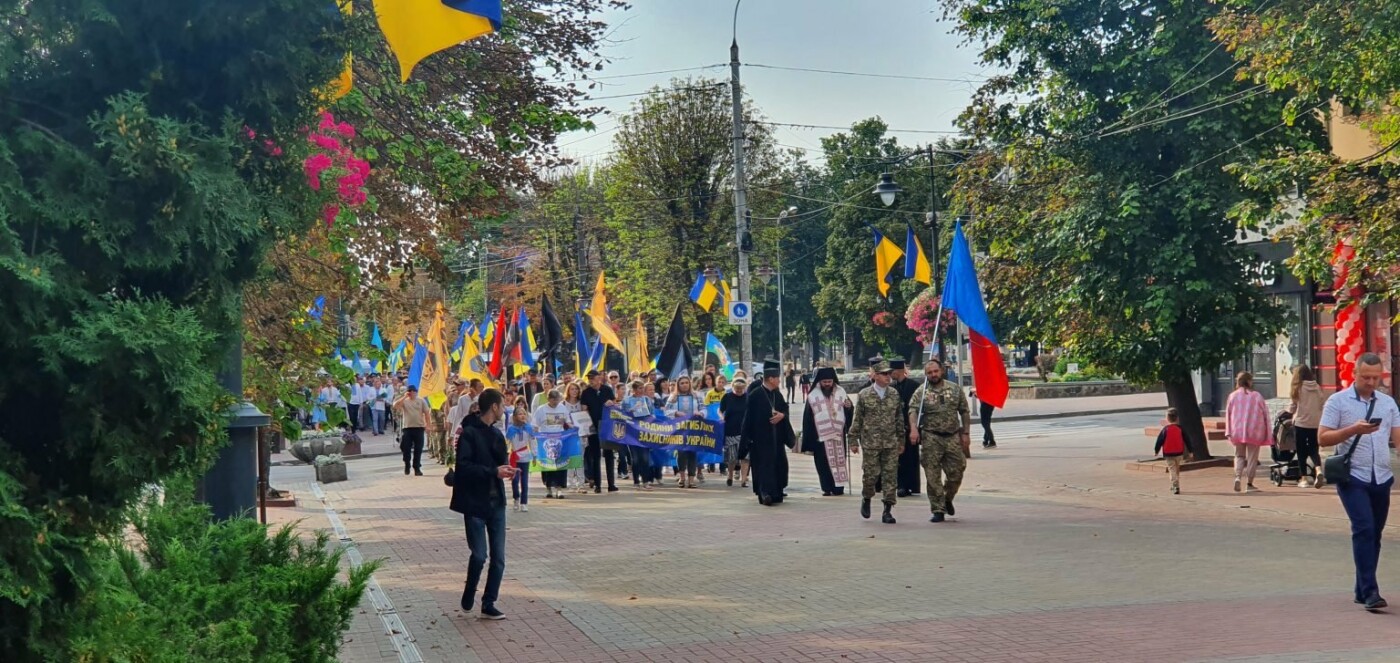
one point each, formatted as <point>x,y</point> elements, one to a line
<point>1366,424</point>
<point>479,494</point>
<point>595,397</point>
<point>414,412</point>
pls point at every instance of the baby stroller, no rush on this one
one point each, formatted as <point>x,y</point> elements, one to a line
<point>1284,452</point>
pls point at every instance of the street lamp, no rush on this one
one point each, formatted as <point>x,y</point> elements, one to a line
<point>783,216</point>
<point>887,189</point>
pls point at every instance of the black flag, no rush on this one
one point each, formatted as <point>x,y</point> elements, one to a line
<point>675,359</point>
<point>551,334</point>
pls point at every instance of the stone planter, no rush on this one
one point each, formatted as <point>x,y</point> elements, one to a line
<point>353,448</point>
<point>307,449</point>
<point>331,472</point>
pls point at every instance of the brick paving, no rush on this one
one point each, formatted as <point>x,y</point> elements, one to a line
<point>1058,555</point>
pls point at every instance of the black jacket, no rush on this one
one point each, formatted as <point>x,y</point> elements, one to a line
<point>481,449</point>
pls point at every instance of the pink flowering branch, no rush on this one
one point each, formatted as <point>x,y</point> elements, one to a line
<point>333,160</point>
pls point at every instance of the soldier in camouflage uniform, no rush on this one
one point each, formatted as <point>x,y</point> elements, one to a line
<point>878,425</point>
<point>941,428</point>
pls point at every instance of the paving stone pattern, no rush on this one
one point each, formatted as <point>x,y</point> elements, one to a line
<point>1057,555</point>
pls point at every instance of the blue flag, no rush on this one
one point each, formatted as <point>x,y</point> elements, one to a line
<point>582,351</point>
<point>376,340</point>
<point>527,340</point>
<point>415,372</point>
<point>556,451</point>
<point>318,307</point>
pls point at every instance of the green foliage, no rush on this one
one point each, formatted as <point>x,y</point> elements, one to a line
<point>135,203</point>
<point>847,274</point>
<point>1113,236</point>
<point>1344,52</point>
<point>188,589</point>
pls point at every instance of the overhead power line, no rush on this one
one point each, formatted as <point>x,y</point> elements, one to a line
<point>828,126</point>
<point>861,74</point>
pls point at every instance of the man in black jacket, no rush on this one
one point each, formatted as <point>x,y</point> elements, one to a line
<point>478,493</point>
<point>594,398</point>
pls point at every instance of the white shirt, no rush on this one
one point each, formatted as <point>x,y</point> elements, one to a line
<point>332,395</point>
<point>880,391</point>
<point>381,397</point>
<point>1371,462</point>
<point>357,394</point>
<point>551,418</point>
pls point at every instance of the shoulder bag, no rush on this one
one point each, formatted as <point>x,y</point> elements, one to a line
<point>1337,469</point>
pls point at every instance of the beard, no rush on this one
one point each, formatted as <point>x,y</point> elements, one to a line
<point>829,390</point>
<point>936,381</point>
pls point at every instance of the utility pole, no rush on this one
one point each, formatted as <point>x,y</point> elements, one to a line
<point>485,282</point>
<point>580,253</point>
<point>741,194</point>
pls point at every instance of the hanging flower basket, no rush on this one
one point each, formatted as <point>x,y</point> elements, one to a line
<point>922,317</point>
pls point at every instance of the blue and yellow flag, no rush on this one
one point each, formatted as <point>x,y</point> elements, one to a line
<point>915,260</point>
<point>725,296</point>
<point>887,253</point>
<point>726,363</point>
<point>703,293</point>
<point>416,29</point>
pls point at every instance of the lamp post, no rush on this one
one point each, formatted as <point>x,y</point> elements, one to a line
<point>782,340</point>
<point>888,190</point>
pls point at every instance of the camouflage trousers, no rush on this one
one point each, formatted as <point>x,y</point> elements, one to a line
<point>879,465</point>
<point>944,462</point>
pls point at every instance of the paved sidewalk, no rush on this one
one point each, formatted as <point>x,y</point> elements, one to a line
<point>1056,556</point>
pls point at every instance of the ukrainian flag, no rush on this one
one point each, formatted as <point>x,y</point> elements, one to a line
<point>416,29</point>
<point>703,293</point>
<point>887,253</point>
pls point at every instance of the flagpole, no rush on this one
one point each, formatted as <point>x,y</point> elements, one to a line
<point>937,327</point>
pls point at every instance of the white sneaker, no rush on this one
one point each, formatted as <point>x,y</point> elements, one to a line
<point>1237,485</point>
<point>515,504</point>
<point>525,507</point>
<point>1303,483</point>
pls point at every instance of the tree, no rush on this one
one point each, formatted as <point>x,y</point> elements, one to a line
<point>1112,236</point>
<point>149,155</point>
<point>1336,57</point>
<point>847,277</point>
<point>669,211</point>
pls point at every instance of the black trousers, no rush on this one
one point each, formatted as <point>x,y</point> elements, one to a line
<point>594,456</point>
<point>355,417</point>
<point>985,412</point>
<point>1306,438</point>
<point>411,444</point>
<point>909,469</point>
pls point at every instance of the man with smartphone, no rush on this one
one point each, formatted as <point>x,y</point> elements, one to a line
<point>479,494</point>
<point>1365,423</point>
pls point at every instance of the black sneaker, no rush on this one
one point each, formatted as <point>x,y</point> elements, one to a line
<point>902,492</point>
<point>936,518</point>
<point>417,473</point>
<point>1375,603</point>
<point>468,598</point>
<point>490,612</point>
<point>948,506</point>
<point>865,509</point>
<point>405,470</point>
<point>613,489</point>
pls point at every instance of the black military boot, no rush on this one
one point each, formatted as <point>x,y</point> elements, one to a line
<point>887,517</point>
<point>948,506</point>
<point>865,508</point>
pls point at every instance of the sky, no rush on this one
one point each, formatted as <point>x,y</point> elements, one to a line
<point>888,37</point>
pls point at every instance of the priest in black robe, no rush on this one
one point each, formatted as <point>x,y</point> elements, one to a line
<point>768,433</point>
<point>826,389</point>
<point>909,479</point>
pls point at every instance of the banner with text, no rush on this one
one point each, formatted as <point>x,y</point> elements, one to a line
<point>694,433</point>
<point>556,451</point>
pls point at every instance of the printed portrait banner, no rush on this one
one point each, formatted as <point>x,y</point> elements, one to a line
<point>694,433</point>
<point>556,451</point>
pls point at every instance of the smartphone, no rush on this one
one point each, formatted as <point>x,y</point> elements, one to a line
<point>1374,421</point>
